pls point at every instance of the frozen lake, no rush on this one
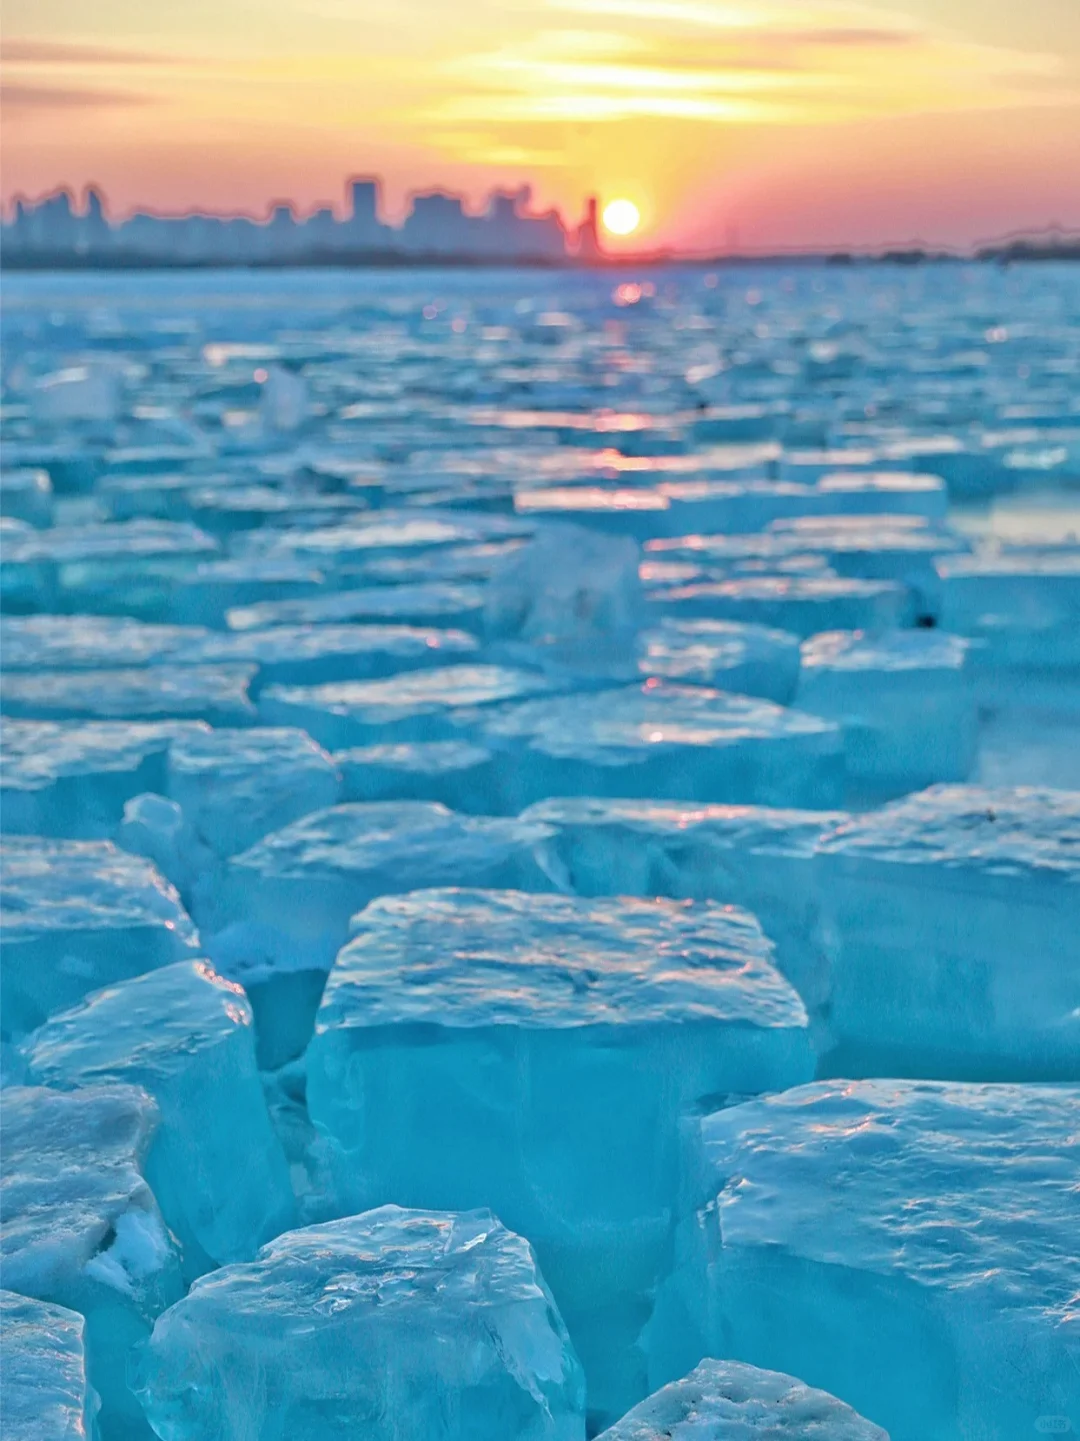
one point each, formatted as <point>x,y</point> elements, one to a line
<point>541,845</point>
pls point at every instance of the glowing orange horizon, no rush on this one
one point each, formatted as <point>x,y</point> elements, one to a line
<point>745,123</point>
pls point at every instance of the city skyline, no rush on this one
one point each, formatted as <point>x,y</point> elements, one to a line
<point>784,125</point>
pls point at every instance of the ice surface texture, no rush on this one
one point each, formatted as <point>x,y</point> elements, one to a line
<point>535,1053</point>
<point>46,1396</point>
<point>77,915</point>
<point>81,1228</point>
<point>185,1035</point>
<point>909,1246</point>
<point>729,1401</point>
<point>955,925</point>
<point>748,659</point>
<point>390,1324</point>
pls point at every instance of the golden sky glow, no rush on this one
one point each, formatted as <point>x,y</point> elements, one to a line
<point>763,123</point>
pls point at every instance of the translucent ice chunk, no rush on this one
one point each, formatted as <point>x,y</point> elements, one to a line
<point>535,1053</point>
<point>72,778</point>
<point>46,1394</point>
<point>391,1324</point>
<point>903,699</point>
<point>955,925</point>
<point>213,693</point>
<point>81,1228</point>
<point>185,1035</point>
<point>662,739</point>
<point>751,856</point>
<point>730,1401</point>
<point>418,705</point>
<point>80,393</point>
<point>802,604</point>
<point>286,902</point>
<point>747,659</point>
<point>156,827</point>
<point>1023,607</point>
<point>235,786</point>
<point>567,583</point>
<point>909,1246</point>
<point>77,915</point>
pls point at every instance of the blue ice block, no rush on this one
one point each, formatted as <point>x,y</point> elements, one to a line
<point>416,705</point>
<point>285,904</point>
<point>451,604</point>
<point>184,1034</point>
<point>904,701</point>
<point>535,1053</point>
<point>752,856</point>
<point>214,693</point>
<point>73,778</point>
<point>458,774</point>
<point>78,915</point>
<point>90,642</point>
<point>955,923</point>
<point>748,659</point>
<point>235,786</point>
<point>47,1396</point>
<point>387,1325</point>
<point>907,1245</point>
<point>81,1228</point>
<point>658,738</point>
<point>299,655</point>
<point>730,1401</point>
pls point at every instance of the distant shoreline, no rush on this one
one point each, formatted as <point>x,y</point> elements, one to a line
<point>1024,254</point>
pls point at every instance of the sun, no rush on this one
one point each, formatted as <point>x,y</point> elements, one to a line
<point>621,217</point>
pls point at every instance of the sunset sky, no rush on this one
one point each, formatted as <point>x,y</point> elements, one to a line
<point>760,124</point>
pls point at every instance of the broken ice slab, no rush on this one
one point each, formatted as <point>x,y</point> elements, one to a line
<point>215,693</point>
<point>184,1034</point>
<point>884,492</point>
<point>803,604</point>
<point>78,915</point>
<point>662,739</point>
<point>416,705</point>
<point>1023,607</point>
<point>285,904</point>
<point>299,655</point>
<point>27,495</point>
<point>904,701</point>
<point>235,786</point>
<point>73,778</point>
<point>390,1324</point>
<point>449,604</point>
<point>81,1228</point>
<point>47,1396</point>
<point>750,856</point>
<point>456,773</point>
<point>910,1246</point>
<point>733,656</point>
<point>730,1401</point>
<point>535,1053</point>
<point>89,642</point>
<point>955,924</point>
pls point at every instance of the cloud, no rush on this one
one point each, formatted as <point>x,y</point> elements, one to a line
<point>15,97</point>
<point>62,52</point>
